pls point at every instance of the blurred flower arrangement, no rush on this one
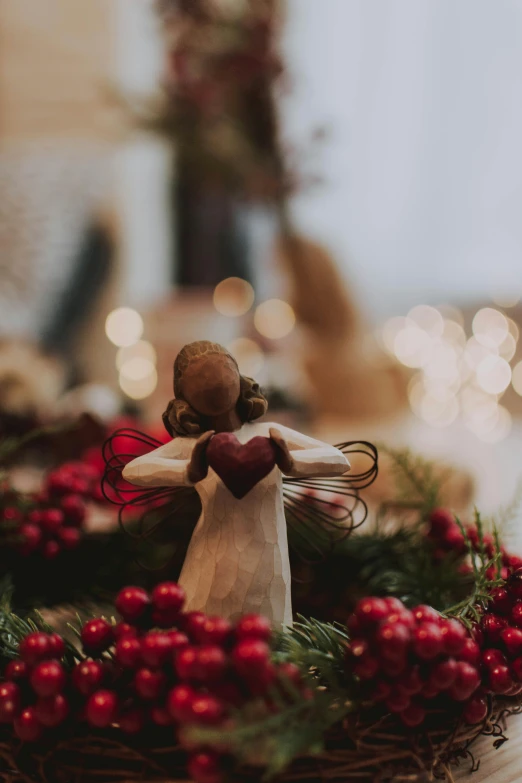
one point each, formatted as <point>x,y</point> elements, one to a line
<point>457,374</point>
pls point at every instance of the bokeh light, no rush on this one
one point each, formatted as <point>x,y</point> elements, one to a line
<point>516,380</point>
<point>506,298</point>
<point>248,355</point>
<point>494,374</point>
<point>490,327</point>
<point>274,319</point>
<point>233,297</point>
<point>428,319</point>
<point>124,326</point>
<point>139,389</point>
<point>142,350</point>
<point>137,368</point>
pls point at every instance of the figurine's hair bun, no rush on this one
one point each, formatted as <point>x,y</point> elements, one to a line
<point>181,420</point>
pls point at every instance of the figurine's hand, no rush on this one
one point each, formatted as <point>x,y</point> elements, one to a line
<point>284,459</point>
<point>198,465</point>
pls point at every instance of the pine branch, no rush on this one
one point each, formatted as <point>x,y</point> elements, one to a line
<point>415,478</point>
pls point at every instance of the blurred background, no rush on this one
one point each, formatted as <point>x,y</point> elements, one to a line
<point>331,190</point>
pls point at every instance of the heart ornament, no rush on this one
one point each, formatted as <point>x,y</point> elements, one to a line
<point>240,466</point>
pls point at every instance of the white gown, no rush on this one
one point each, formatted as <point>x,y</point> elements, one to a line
<point>237,560</point>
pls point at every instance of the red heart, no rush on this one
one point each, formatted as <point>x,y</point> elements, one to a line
<point>240,466</point>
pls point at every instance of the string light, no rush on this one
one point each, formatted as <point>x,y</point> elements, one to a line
<point>248,355</point>
<point>233,297</point>
<point>274,319</point>
<point>124,326</point>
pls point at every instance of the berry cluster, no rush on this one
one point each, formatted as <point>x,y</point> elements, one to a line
<point>446,537</point>
<point>414,660</point>
<point>52,521</point>
<point>500,634</point>
<point>157,667</point>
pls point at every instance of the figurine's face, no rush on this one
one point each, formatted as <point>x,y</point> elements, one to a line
<point>210,385</point>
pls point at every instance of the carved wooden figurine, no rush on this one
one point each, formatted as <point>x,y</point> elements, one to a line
<point>237,561</point>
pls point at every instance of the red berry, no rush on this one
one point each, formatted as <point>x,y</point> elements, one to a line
<point>393,640</point>
<point>149,684</point>
<point>500,680</point>
<point>156,648</point>
<point>403,617</point>
<point>9,701</point>
<point>179,702</point>
<point>394,604</point>
<point>35,647</point>
<point>178,640</point>
<point>425,614</point>
<point>211,663</point>
<point>59,483</point>
<point>501,601</point>
<point>205,767</point>
<point>132,721</point>
<point>440,520</point>
<point>48,678</point>
<point>466,682</point>
<point>121,630</point>
<point>215,630</point>
<point>516,667</point>
<point>371,611</point>
<point>413,715</point>
<point>512,639</point>
<point>454,636</point>
<point>393,668</point>
<point>132,603</point>
<point>193,623</point>
<point>51,520</point>
<point>87,676</point>
<point>57,645</point>
<point>12,514</point>
<point>206,709</point>
<point>453,540</point>
<point>69,537</point>
<point>381,691</point>
<point>128,652</point>
<point>250,657</point>
<point>367,667</point>
<point>443,674</point>
<point>74,509</point>
<point>491,656</point>
<point>358,649</point>
<point>51,549</point>
<point>429,691</point>
<point>160,716</point>
<point>475,710</point>
<point>516,614</point>
<point>34,517</point>
<point>470,652</point>
<point>52,710</point>
<point>411,682</point>
<point>168,597</point>
<point>31,538</point>
<point>254,626</point>
<point>514,562</point>
<point>102,709</point>
<point>186,663</point>
<point>27,726</point>
<point>427,640</point>
<point>493,625</point>
<point>16,670</point>
<point>96,636</point>
<point>514,583</point>
<point>398,701</point>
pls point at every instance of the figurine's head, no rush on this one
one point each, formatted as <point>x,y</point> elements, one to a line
<point>207,383</point>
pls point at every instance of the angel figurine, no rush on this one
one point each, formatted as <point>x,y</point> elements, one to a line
<point>237,560</point>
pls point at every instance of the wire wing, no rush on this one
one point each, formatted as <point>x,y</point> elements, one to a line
<point>143,511</point>
<point>322,512</point>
